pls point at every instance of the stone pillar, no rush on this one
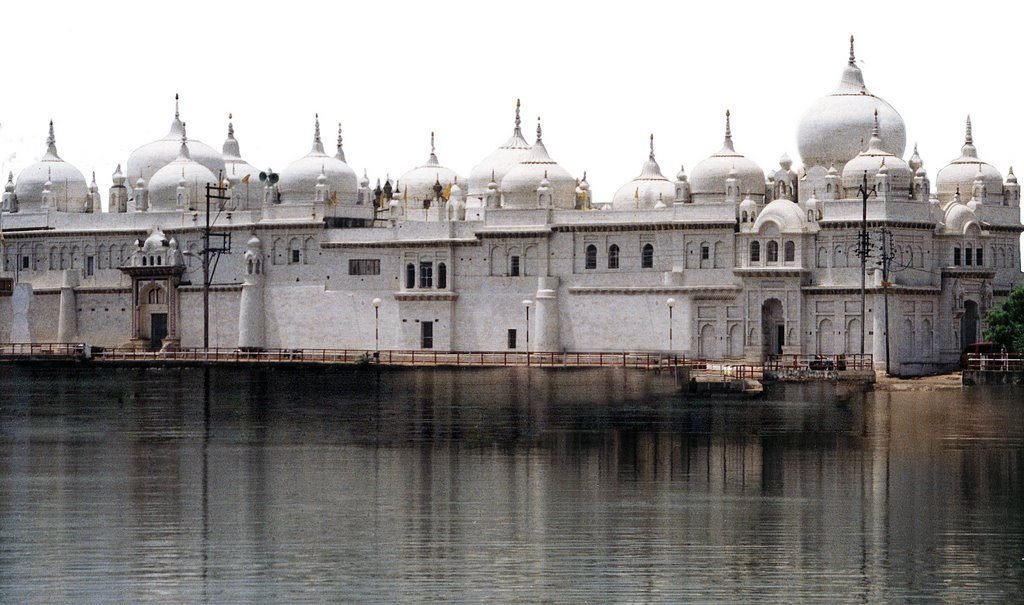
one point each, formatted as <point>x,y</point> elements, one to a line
<point>67,318</point>
<point>878,329</point>
<point>251,331</point>
<point>545,323</point>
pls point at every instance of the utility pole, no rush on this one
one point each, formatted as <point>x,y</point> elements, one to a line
<point>213,192</point>
<point>886,255</point>
<point>863,249</point>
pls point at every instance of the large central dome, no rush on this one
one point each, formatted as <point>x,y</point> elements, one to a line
<point>837,127</point>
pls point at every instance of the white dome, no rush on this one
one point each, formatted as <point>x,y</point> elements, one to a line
<point>646,190</point>
<point>961,173</point>
<point>162,189</point>
<point>834,128</point>
<point>499,162</point>
<point>236,169</point>
<point>519,186</point>
<point>67,184</point>
<point>959,217</point>
<point>785,214</point>
<point>299,179</point>
<point>418,183</point>
<point>146,160</point>
<point>707,180</point>
<point>871,161</point>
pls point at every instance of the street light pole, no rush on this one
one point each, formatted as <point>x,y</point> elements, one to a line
<point>671,303</point>
<point>376,328</point>
<point>527,303</point>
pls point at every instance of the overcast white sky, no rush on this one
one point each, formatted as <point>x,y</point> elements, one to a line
<point>601,77</point>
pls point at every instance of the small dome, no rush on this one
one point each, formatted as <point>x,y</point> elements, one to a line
<point>418,183</point>
<point>959,217</point>
<point>156,240</point>
<point>875,160</point>
<point>519,186</point>
<point>707,180</point>
<point>236,169</point>
<point>183,171</point>
<point>499,162</point>
<point>298,180</point>
<point>961,173</point>
<point>785,214</point>
<point>67,184</point>
<point>146,160</point>
<point>647,189</point>
<point>834,127</point>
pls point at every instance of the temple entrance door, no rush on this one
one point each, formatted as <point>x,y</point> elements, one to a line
<point>969,324</point>
<point>773,327</point>
<point>157,330</point>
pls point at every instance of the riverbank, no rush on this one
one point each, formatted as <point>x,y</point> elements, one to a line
<point>940,382</point>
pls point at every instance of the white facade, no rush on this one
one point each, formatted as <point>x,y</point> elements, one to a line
<point>756,264</point>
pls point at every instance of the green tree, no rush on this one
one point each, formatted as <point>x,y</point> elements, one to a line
<point>1006,321</point>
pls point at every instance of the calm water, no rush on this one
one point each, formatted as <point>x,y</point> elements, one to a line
<point>236,485</point>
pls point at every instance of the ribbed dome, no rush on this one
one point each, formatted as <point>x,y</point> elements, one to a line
<point>959,217</point>
<point>163,186</point>
<point>834,128</point>
<point>149,158</point>
<point>418,183</point>
<point>519,186</point>
<point>67,184</point>
<point>707,180</point>
<point>871,161</point>
<point>236,169</point>
<point>784,213</point>
<point>961,173</point>
<point>299,179</point>
<point>499,162</point>
<point>646,190</point>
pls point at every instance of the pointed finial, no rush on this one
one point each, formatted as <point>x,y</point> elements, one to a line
<point>517,116</point>
<point>584,175</point>
<point>316,128</point>
<point>652,147</point>
<point>339,135</point>
<point>431,142</point>
<point>728,124</point>
<point>231,127</point>
<point>969,137</point>
<point>176,112</point>
<point>853,58</point>
<point>51,142</point>
<point>538,128</point>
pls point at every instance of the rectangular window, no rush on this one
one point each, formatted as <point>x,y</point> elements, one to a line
<point>956,256</point>
<point>90,265</point>
<point>705,252</point>
<point>25,262</point>
<point>364,266</point>
<point>426,274</point>
<point>295,257</point>
<point>511,339</point>
<point>968,254</point>
<point>426,335</point>
<point>513,268</point>
<point>978,257</point>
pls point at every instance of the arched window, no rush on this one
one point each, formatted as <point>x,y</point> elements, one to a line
<point>145,261</point>
<point>613,257</point>
<point>249,266</point>
<point>591,260</point>
<point>410,276</point>
<point>647,257</point>
<point>442,276</point>
<point>772,251</point>
<point>790,251</point>
<point>744,218</point>
<point>755,252</point>
<point>155,296</point>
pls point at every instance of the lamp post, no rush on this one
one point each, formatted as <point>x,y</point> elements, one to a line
<point>376,328</point>
<point>671,303</point>
<point>527,303</point>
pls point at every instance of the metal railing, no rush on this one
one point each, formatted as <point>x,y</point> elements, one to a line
<point>836,363</point>
<point>41,349</point>
<point>998,362</point>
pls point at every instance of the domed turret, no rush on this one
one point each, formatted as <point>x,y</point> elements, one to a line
<point>181,184</point>
<point>833,128</point>
<point>146,160</point>
<point>519,187</point>
<point>68,191</point>
<point>419,183</point>
<point>237,170</point>
<point>298,180</point>
<point>961,172</point>
<point>645,190</point>
<point>874,160</point>
<point>708,179</point>
<point>499,162</point>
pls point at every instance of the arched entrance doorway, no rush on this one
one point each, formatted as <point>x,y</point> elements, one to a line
<point>825,337</point>
<point>773,327</point>
<point>969,324</point>
<point>153,316</point>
